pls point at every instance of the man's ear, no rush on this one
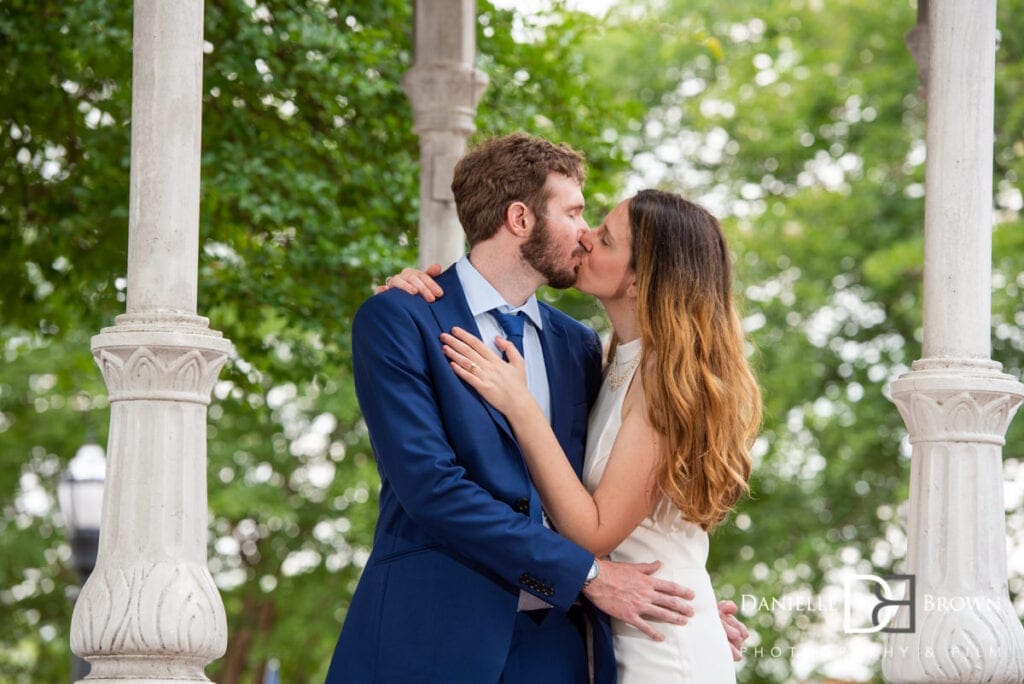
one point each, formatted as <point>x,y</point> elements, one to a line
<point>517,218</point>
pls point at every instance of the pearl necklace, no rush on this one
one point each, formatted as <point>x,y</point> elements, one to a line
<point>616,381</point>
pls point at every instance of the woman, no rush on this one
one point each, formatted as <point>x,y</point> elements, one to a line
<point>669,435</point>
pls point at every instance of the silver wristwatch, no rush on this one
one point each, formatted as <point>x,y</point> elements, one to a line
<point>592,575</point>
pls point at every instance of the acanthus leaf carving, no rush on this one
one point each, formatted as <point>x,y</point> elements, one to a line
<point>160,372</point>
<point>980,415</point>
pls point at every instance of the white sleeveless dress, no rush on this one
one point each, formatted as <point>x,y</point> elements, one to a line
<point>699,650</point>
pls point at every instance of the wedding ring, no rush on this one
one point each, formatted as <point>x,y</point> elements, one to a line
<point>472,367</point>
<point>387,281</point>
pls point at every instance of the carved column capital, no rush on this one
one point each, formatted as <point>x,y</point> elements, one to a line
<point>945,405</point>
<point>156,364</point>
<point>444,96</point>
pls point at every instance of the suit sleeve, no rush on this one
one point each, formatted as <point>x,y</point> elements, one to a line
<point>400,406</point>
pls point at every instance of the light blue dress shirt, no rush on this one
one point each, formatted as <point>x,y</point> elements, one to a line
<point>482,297</point>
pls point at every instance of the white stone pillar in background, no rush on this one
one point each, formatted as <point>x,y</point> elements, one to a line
<point>150,611</point>
<point>444,87</point>
<point>956,402</point>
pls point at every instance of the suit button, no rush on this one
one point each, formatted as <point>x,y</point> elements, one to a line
<point>521,506</point>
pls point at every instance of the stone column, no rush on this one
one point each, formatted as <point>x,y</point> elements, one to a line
<point>956,402</point>
<point>444,88</point>
<point>150,611</point>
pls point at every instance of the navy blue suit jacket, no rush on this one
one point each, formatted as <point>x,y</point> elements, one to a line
<point>460,531</point>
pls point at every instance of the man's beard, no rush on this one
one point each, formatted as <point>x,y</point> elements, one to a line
<point>539,252</point>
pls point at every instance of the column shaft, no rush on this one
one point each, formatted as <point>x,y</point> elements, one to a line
<point>163,208</point>
<point>444,88</point>
<point>958,179</point>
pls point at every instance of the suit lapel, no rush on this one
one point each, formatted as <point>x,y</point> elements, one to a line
<point>556,361</point>
<point>452,310</point>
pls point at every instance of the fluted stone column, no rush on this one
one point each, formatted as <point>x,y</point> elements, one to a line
<point>956,402</point>
<point>150,611</point>
<point>444,88</point>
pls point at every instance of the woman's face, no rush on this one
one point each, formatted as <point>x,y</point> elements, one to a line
<point>604,271</point>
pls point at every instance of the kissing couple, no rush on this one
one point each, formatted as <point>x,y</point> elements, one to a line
<point>544,511</point>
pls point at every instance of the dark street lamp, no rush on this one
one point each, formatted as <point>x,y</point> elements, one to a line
<point>80,493</point>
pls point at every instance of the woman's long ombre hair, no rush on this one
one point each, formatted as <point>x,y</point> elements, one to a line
<point>701,393</point>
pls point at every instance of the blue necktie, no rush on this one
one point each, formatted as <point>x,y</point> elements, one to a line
<point>513,325</point>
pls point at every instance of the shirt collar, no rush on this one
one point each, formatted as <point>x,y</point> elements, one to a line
<point>482,297</point>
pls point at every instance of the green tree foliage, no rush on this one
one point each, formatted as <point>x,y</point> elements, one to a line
<point>799,123</point>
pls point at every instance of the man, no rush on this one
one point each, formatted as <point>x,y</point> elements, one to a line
<point>466,583</point>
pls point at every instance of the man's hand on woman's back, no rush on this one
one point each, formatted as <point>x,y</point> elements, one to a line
<point>630,592</point>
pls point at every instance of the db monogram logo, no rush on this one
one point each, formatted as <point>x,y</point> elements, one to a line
<point>883,591</point>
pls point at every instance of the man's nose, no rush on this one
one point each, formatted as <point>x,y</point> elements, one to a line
<point>585,242</point>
